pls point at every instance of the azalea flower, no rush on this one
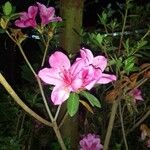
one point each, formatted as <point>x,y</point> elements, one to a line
<point>47,14</point>
<point>93,69</point>
<point>91,142</point>
<point>136,94</point>
<point>66,78</point>
<point>62,76</point>
<point>27,19</point>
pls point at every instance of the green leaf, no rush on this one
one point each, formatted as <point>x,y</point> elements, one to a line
<point>126,46</point>
<point>73,104</point>
<point>7,8</point>
<point>99,38</point>
<point>129,64</point>
<point>91,98</point>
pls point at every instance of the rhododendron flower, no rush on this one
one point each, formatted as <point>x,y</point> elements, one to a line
<point>66,78</point>
<point>91,142</point>
<point>47,14</point>
<point>93,69</point>
<point>62,76</point>
<point>136,94</point>
<point>27,19</point>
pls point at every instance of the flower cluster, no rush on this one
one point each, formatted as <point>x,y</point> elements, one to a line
<point>84,73</point>
<point>91,142</point>
<point>28,19</point>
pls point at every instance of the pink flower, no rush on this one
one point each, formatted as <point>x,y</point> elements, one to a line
<point>62,76</point>
<point>83,74</point>
<point>91,142</point>
<point>137,95</point>
<point>148,143</point>
<point>47,14</point>
<point>93,69</point>
<point>27,19</point>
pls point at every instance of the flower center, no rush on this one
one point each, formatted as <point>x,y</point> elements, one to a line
<point>67,77</point>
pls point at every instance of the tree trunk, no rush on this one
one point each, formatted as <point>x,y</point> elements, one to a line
<point>71,12</point>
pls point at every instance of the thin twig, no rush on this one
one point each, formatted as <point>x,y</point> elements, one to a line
<point>63,120</point>
<point>57,112</point>
<point>146,34</point>
<point>122,126</point>
<point>110,125</point>
<point>44,99</point>
<point>123,29</point>
<point>22,123</point>
<point>45,52</point>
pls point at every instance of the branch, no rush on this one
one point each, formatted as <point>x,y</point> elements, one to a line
<point>110,125</point>
<point>122,126</point>
<point>21,103</point>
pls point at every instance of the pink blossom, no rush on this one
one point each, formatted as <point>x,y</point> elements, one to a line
<point>61,76</point>
<point>84,73</point>
<point>93,69</point>
<point>91,142</point>
<point>148,143</point>
<point>137,95</point>
<point>27,19</point>
<point>47,14</point>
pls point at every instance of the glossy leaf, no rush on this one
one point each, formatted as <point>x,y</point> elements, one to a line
<point>73,104</point>
<point>91,98</point>
<point>7,8</point>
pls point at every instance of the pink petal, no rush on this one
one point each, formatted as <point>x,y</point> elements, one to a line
<point>100,62</point>
<point>77,66</point>
<point>32,11</point>
<point>20,24</point>
<point>50,12</point>
<point>27,19</point>
<point>137,94</point>
<point>106,78</point>
<point>97,73</point>
<point>87,55</point>
<point>138,97</point>
<point>59,60</point>
<point>58,19</point>
<point>50,76</point>
<point>90,85</point>
<point>55,19</point>
<point>30,23</point>
<point>59,95</point>
<point>88,77</point>
<point>47,14</point>
<point>42,8</point>
<point>76,84</point>
<point>24,16</point>
<point>43,13</point>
